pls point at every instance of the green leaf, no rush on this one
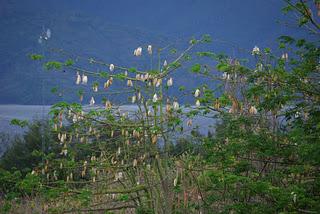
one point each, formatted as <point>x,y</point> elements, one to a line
<point>36,57</point>
<point>222,66</point>
<point>53,65</point>
<point>54,90</point>
<point>132,70</point>
<point>17,122</point>
<point>196,68</point>
<point>286,39</point>
<point>103,74</point>
<point>182,88</point>
<point>69,62</point>
<point>206,38</point>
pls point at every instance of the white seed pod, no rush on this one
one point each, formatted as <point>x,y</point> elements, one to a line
<point>165,63</point>
<point>170,82</point>
<point>175,105</point>
<point>120,175</point>
<point>129,83</point>
<point>92,101</point>
<point>150,49</point>
<point>139,95</point>
<point>95,88</point>
<point>84,79</point>
<point>158,83</point>
<point>197,93</point>
<point>78,80</point>
<point>155,98</point>
<point>133,99</point>
<point>253,110</point>
<point>111,67</point>
<point>135,163</point>
<point>175,181</point>
<point>168,107</point>
<point>198,103</point>
<point>285,56</point>
<point>189,122</point>
<point>139,51</point>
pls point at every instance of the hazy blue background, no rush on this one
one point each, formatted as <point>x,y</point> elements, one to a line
<point>111,30</point>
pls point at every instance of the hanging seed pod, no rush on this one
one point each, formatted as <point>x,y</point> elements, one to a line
<point>176,105</point>
<point>155,98</point>
<point>198,103</point>
<point>189,122</point>
<point>170,82</point>
<point>159,82</point>
<point>253,110</point>
<point>92,101</point>
<point>154,139</point>
<point>217,104</point>
<point>84,79</point>
<point>129,83</point>
<point>168,106</point>
<point>111,67</point>
<point>78,80</point>
<point>135,134</point>
<point>175,182</point>
<point>139,96</point>
<point>197,93</point>
<point>55,177</point>
<point>83,173</point>
<point>95,88</point>
<point>135,163</point>
<point>133,99</point>
<point>149,49</point>
<point>138,51</point>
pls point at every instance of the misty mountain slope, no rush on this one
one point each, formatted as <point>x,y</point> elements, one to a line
<point>21,77</point>
<point>111,30</point>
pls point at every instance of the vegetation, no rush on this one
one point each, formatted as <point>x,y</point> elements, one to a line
<point>263,156</point>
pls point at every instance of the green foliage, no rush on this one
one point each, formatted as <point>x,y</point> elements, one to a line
<point>53,65</point>
<point>17,122</point>
<point>196,68</point>
<point>69,62</point>
<point>23,154</point>
<point>36,56</point>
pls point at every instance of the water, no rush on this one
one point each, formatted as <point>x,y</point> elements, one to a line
<point>21,112</point>
<point>37,112</point>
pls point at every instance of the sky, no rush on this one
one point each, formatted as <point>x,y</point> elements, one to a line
<point>111,29</point>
